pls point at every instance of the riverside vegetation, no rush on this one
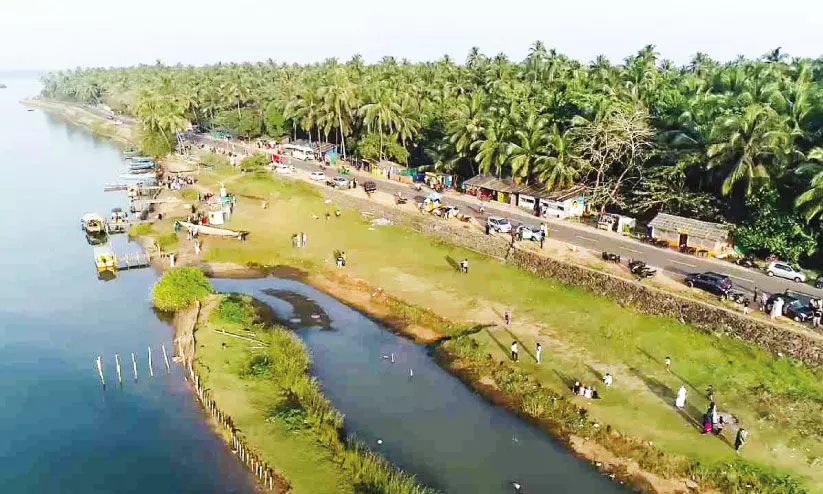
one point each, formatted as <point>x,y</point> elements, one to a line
<point>271,396</point>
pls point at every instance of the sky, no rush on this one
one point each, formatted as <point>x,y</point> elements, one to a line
<point>56,34</point>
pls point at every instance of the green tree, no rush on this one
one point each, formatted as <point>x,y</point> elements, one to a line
<point>179,288</point>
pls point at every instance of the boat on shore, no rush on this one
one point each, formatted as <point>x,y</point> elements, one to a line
<point>210,230</point>
<point>142,166</point>
<point>131,153</point>
<point>141,159</point>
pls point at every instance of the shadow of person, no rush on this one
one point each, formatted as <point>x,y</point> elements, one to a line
<point>453,263</point>
<point>596,372</point>
<point>567,380</point>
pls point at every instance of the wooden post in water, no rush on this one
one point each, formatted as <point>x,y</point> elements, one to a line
<point>151,370</point>
<point>100,370</point>
<point>117,364</point>
<point>166,358</point>
<point>134,366</point>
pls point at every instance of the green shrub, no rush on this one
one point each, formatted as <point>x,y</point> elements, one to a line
<point>167,242</point>
<point>179,288</point>
<point>189,195</point>
<point>254,162</point>
<point>234,310</point>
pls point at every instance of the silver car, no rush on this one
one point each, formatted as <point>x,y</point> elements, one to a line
<point>784,270</point>
<point>499,224</point>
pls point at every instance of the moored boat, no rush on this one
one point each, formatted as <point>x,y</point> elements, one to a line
<point>93,224</point>
<point>104,258</point>
<point>131,153</point>
<point>141,159</point>
<point>142,166</point>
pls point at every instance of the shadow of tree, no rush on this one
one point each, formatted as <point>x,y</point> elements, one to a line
<point>520,345</point>
<point>567,380</point>
<point>690,413</point>
<point>502,347</point>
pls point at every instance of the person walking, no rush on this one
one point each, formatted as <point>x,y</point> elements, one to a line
<point>539,353</point>
<point>817,317</point>
<point>680,401</point>
<point>515,355</point>
<point>740,439</point>
<point>608,380</point>
<point>464,266</point>
<point>542,237</point>
<point>710,393</point>
<point>668,364</point>
<point>507,317</point>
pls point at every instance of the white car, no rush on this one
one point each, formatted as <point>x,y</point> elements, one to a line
<point>341,182</point>
<point>499,224</point>
<point>784,270</point>
<point>317,176</point>
<point>529,233</point>
<point>285,169</point>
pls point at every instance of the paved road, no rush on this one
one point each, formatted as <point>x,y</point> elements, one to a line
<point>676,264</point>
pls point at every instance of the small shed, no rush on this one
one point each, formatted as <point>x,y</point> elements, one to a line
<point>492,188</point>
<point>687,232</point>
<point>562,204</point>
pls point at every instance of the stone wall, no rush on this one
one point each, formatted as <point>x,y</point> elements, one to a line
<point>706,317</point>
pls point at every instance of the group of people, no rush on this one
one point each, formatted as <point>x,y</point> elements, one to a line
<point>177,182</point>
<point>581,389</point>
<point>299,240</point>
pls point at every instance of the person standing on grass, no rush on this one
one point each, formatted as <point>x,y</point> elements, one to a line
<point>542,237</point>
<point>818,315</point>
<point>740,439</point>
<point>668,364</point>
<point>608,380</point>
<point>305,238</point>
<point>507,317</point>
<point>464,266</point>
<point>680,402</point>
<point>515,355</point>
<point>539,352</point>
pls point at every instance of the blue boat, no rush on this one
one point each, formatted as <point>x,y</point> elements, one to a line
<point>141,159</point>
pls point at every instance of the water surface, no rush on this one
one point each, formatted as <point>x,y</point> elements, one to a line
<point>430,424</point>
<point>61,432</point>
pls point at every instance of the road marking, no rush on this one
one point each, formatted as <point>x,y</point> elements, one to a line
<point>631,250</point>
<point>684,263</point>
<point>741,278</point>
<point>586,238</point>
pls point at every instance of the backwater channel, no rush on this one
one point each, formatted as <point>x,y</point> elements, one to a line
<point>429,422</point>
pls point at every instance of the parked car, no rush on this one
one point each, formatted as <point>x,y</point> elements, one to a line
<point>281,168</point>
<point>818,283</point>
<point>793,307</point>
<point>340,182</point>
<point>718,284</point>
<point>319,176</point>
<point>369,187</point>
<point>498,224</point>
<point>529,233</point>
<point>784,270</point>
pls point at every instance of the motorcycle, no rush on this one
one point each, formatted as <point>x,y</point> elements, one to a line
<point>746,261</point>
<point>641,270</point>
<point>609,257</point>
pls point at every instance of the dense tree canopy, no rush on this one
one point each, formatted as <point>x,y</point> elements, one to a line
<point>644,135</point>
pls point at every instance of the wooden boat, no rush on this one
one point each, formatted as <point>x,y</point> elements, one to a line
<point>142,166</point>
<point>209,230</point>
<point>93,224</point>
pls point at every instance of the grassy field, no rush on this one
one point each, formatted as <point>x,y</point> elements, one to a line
<point>778,400</point>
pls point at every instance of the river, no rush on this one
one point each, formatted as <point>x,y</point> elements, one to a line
<point>429,422</point>
<point>61,432</point>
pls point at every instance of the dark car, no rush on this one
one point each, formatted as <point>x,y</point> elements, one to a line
<point>719,284</point>
<point>369,187</point>
<point>793,307</point>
